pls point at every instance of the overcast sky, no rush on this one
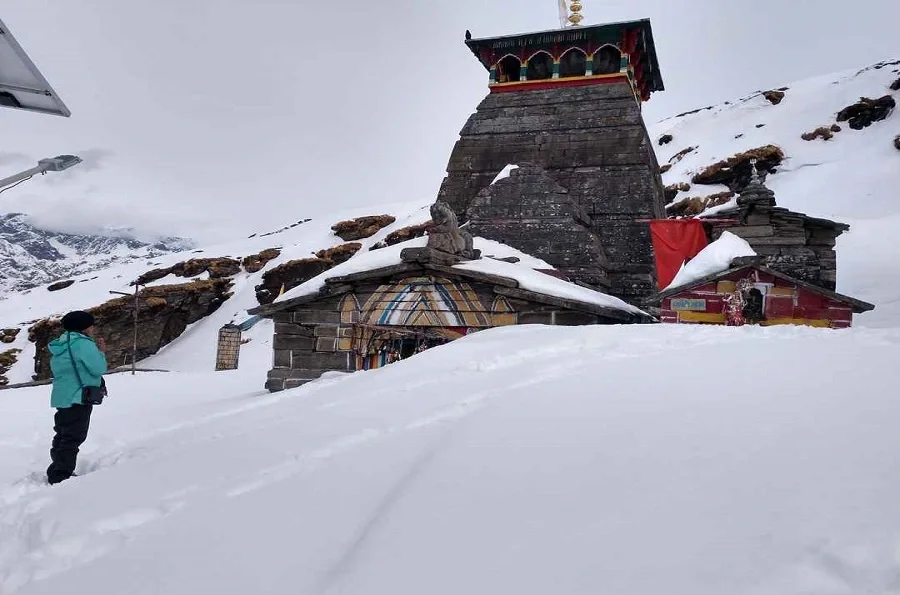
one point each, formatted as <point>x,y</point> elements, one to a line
<point>211,118</point>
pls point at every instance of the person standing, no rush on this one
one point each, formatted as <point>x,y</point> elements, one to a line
<point>77,361</point>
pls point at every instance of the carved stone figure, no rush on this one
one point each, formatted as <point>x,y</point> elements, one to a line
<point>444,234</point>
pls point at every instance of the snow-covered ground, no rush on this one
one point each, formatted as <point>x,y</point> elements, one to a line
<point>624,459</point>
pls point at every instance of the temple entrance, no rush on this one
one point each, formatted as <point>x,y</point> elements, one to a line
<point>378,346</point>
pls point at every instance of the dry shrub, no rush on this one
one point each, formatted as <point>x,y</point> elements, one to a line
<point>664,168</point>
<point>823,132</point>
<point>156,302</point>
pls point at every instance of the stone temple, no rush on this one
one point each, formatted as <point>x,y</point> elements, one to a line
<point>565,107</point>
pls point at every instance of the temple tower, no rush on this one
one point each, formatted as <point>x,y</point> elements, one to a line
<point>565,106</point>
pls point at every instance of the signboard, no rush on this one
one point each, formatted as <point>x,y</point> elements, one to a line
<point>22,86</point>
<point>688,304</point>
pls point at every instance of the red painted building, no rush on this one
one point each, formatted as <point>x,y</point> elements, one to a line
<point>755,294</point>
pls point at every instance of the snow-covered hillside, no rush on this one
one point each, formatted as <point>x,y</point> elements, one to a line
<point>854,177</point>
<point>32,256</point>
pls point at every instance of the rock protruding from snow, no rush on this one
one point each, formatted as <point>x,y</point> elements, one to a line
<point>735,173</point>
<point>867,111</point>
<point>713,259</point>
<point>361,227</point>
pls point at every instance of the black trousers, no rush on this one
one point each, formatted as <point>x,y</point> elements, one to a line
<point>71,426</point>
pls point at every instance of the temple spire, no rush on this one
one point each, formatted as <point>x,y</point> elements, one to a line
<point>575,16</point>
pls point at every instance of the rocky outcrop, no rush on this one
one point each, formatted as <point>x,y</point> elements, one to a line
<point>60,285</point>
<point>164,312</point>
<point>867,111</point>
<point>897,142</point>
<point>665,167</point>
<point>339,254</point>
<point>7,360</point>
<point>407,233</point>
<point>665,139</point>
<point>257,262</point>
<point>895,86</point>
<point>734,172</point>
<point>361,227</point>
<point>672,190</point>
<point>8,335</point>
<point>289,275</point>
<point>774,97</point>
<point>218,268</point>
<point>823,132</point>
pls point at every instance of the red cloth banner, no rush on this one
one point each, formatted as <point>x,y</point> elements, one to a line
<point>674,242</point>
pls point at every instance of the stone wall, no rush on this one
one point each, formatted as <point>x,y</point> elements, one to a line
<point>592,141</point>
<point>533,213</point>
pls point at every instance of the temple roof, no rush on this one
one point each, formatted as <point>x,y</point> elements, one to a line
<point>489,49</point>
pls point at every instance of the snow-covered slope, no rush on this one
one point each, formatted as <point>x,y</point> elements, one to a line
<point>32,256</point>
<point>519,460</point>
<point>853,178</point>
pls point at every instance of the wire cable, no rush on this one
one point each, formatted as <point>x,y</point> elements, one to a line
<point>16,184</point>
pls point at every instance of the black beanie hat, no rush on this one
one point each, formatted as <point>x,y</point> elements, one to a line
<point>78,321</point>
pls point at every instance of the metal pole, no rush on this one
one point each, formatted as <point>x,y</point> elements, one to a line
<point>134,350</point>
<point>24,175</point>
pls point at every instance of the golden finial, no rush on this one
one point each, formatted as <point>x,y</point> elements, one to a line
<point>575,18</point>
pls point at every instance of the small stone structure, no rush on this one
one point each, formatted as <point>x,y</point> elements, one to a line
<point>368,319</point>
<point>751,293</point>
<point>793,243</point>
<point>228,347</point>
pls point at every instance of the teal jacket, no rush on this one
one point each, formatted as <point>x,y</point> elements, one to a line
<point>91,367</point>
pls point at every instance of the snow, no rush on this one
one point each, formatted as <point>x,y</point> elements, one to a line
<point>542,283</point>
<point>715,258</point>
<point>522,271</point>
<point>504,173</point>
<point>499,454</point>
<point>852,178</point>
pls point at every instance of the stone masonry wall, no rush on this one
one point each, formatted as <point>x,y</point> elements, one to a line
<point>591,140</point>
<point>533,213</point>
